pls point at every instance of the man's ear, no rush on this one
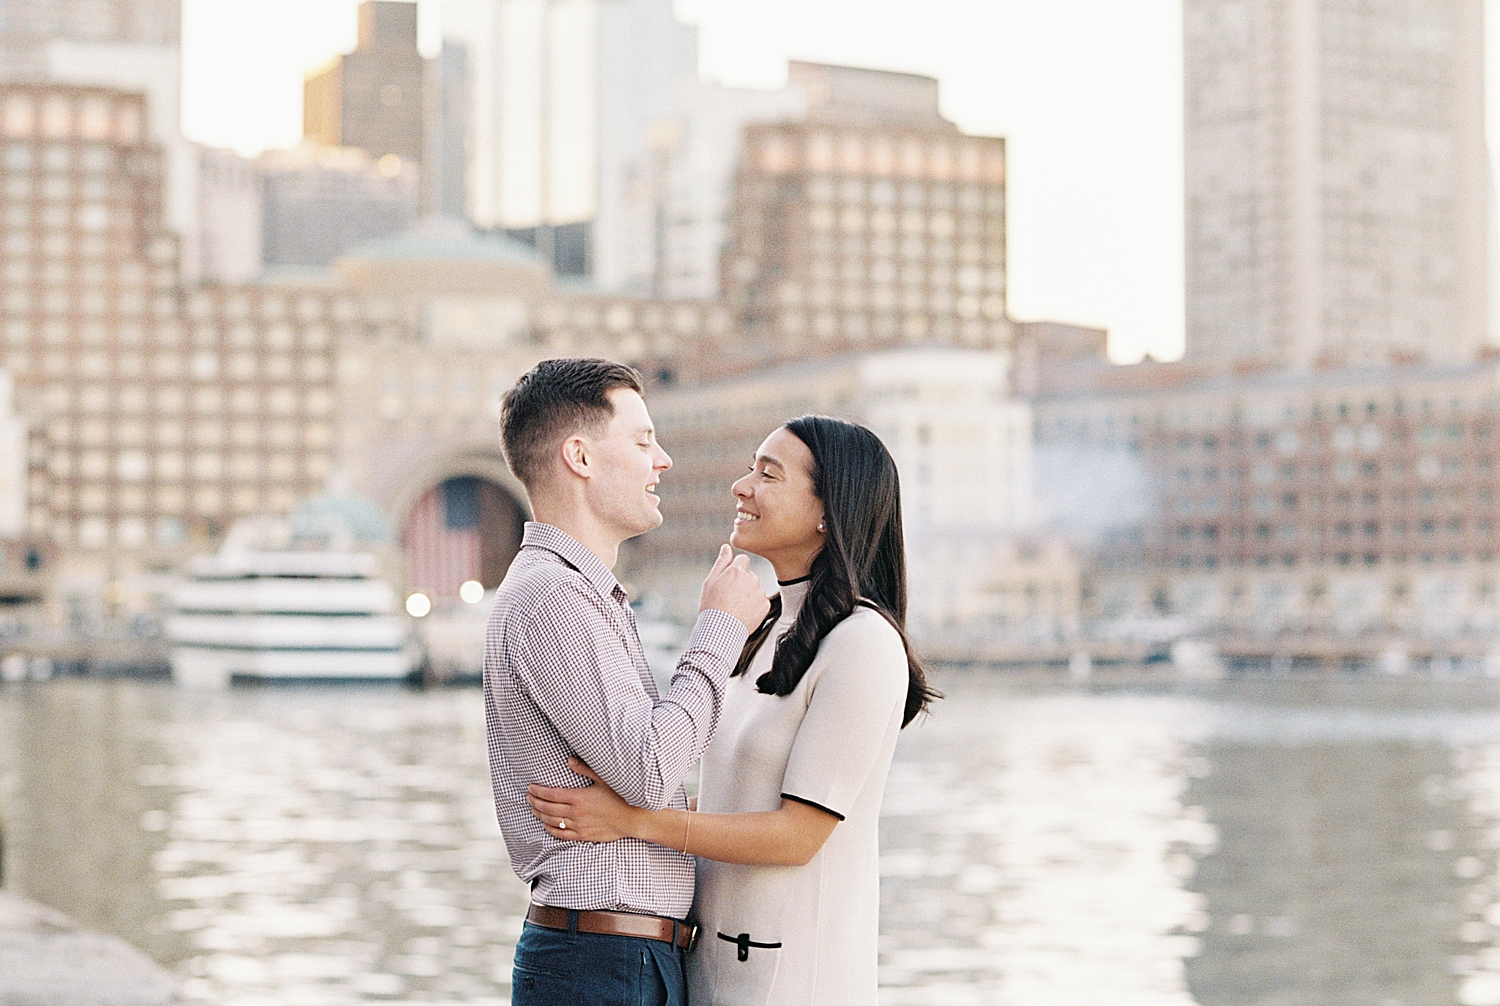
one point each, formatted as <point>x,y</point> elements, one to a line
<point>575,455</point>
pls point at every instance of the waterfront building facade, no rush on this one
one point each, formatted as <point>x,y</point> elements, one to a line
<point>1337,181</point>
<point>162,412</point>
<point>158,412</point>
<point>1350,501</point>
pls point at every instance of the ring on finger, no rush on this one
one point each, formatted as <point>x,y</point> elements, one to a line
<point>562,824</point>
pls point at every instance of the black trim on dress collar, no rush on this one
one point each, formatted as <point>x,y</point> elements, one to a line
<point>789,583</point>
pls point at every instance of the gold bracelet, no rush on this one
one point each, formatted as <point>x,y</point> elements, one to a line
<point>687,824</point>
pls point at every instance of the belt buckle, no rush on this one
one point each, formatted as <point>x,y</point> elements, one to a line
<point>693,930</point>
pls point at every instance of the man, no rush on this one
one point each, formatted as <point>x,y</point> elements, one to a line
<point>565,674</point>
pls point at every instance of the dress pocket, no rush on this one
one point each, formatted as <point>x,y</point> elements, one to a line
<point>743,966</point>
<point>744,944</point>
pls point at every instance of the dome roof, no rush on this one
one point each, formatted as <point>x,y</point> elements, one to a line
<point>444,256</point>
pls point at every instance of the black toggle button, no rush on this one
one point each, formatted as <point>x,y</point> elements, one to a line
<point>744,942</point>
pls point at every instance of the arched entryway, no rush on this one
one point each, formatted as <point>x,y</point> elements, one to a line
<point>464,528</point>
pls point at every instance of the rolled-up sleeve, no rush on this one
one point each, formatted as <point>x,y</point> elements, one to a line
<point>581,677</point>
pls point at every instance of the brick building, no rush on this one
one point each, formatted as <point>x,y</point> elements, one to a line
<point>854,230</point>
<point>1282,500</point>
<point>161,413</point>
<point>156,411</point>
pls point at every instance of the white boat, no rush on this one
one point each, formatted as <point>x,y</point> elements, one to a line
<point>251,612</point>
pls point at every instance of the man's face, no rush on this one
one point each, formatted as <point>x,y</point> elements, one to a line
<point>627,463</point>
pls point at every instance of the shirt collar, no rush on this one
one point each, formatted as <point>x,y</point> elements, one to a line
<point>567,548</point>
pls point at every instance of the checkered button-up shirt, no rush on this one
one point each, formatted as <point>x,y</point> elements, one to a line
<point>565,674</point>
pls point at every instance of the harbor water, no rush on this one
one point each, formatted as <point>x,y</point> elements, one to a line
<point>1254,841</point>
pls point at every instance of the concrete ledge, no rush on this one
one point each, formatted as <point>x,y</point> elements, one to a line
<point>46,960</point>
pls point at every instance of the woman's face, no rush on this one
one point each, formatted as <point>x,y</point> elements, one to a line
<point>777,515</point>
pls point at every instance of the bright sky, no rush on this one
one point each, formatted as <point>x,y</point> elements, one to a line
<point>1088,94</point>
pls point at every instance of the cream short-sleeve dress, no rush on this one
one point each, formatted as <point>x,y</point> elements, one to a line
<point>806,935</point>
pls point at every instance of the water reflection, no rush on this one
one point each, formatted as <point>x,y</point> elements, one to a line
<point>293,846</point>
<point>1478,784</point>
<point>1334,882</point>
<point>1034,852</point>
<point>1040,845</point>
<point>70,803</point>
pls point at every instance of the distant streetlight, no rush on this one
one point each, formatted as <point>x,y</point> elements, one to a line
<point>472,591</point>
<point>418,605</point>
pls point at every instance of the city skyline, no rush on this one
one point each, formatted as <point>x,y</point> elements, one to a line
<point>1093,239</point>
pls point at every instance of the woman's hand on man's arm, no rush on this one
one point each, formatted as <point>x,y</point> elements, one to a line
<point>791,835</point>
<point>586,814</point>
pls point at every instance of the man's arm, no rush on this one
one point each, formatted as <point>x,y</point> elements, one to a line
<point>576,669</point>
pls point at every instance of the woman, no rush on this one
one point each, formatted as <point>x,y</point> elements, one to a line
<point>786,828</point>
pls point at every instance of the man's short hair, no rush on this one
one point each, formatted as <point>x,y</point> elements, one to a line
<point>553,401</point>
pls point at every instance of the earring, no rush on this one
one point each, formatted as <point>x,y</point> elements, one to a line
<point>821,528</point>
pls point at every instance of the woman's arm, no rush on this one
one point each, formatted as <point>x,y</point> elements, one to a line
<point>791,835</point>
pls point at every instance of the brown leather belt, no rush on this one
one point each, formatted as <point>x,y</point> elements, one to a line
<point>646,927</point>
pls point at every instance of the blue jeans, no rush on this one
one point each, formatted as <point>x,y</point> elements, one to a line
<point>558,968</point>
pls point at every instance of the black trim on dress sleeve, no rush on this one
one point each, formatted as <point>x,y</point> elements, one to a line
<point>813,805</point>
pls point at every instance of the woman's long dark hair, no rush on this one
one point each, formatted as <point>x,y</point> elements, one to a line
<point>863,559</point>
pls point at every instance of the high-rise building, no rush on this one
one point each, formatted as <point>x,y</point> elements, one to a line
<point>445,122</point>
<point>1337,180</point>
<point>563,97</point>
<point>158,410</point>
<point>844,232</point>
<point>859,227</point>
<point>371,98</point>
<point>1354,500</point>
<point>680,190</point>
<point>129,45</point>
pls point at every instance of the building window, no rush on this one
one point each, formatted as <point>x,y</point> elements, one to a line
<point>245,466</point>
<point>207,500</point>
